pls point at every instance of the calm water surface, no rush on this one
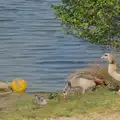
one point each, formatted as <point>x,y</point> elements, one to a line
<point>34,47</point>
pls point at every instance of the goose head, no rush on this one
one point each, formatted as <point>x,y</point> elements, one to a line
<point>111,66</point>
<point>109,58</point>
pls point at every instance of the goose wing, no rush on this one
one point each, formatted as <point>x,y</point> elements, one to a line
<point>90,75</point>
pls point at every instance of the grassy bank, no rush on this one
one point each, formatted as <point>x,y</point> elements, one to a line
<point>22,107</point>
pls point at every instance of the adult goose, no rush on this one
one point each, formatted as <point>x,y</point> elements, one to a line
<point>112,68</point>
<point>83,80</point>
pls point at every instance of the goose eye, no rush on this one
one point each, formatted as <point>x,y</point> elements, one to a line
<point>105,55</point>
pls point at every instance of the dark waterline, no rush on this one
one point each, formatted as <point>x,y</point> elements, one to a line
<point>34,47</point>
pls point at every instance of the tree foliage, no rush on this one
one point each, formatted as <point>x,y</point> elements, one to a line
<point>95,20</point>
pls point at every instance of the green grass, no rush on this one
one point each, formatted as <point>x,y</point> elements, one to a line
<point>21,107</point>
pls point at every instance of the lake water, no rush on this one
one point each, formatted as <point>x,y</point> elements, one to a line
<point>33,46</point>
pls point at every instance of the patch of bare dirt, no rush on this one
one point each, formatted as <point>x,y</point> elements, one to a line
<point>67,118</point>
<point>92,116</point>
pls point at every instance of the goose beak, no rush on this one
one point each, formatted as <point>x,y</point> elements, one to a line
<point>102,57</point>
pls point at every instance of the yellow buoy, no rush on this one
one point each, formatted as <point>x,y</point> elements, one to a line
<point>19,85</point>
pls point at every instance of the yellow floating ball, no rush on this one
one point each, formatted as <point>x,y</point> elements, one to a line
<point>19,85</point>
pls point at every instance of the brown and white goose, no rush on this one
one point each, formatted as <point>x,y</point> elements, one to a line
<point>84,80</point>
<point>112,68</point>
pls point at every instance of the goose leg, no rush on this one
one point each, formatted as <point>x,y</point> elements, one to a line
<point>83,91</point>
